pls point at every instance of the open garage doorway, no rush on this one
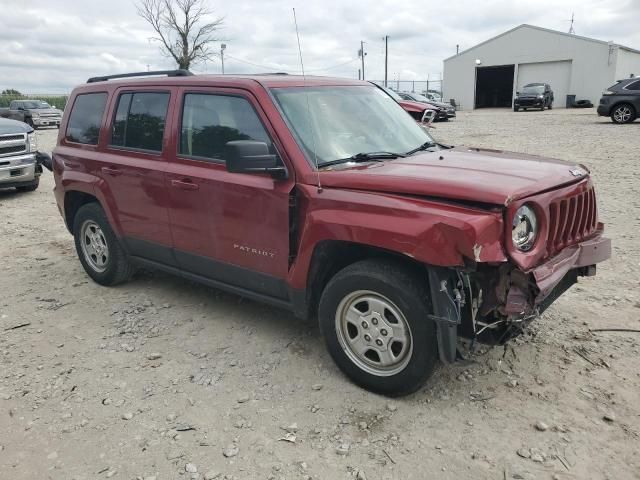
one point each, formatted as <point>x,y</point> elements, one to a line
<point>494,86</point>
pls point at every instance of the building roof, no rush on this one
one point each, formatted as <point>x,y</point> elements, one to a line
<point>547,30</point>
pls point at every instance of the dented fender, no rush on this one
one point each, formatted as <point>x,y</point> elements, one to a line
<point>430,231</point>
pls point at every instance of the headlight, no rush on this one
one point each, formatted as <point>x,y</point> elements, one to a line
<point>31,140</point>
<point>35,115</point>
<point>524,228</point>
<point>540,96</point>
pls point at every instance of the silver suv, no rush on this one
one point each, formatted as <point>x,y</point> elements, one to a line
<point>19,164</point>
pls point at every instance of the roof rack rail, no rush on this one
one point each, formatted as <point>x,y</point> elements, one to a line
<point>168,73</point>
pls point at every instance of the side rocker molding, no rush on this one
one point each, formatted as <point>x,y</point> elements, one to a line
<point>445,315</point>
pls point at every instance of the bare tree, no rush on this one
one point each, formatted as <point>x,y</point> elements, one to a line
<point>184,28</point>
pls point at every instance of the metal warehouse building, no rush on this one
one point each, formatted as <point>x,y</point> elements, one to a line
<point>489,74</point>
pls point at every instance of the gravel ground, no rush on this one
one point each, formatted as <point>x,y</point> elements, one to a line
<point>163,379</point>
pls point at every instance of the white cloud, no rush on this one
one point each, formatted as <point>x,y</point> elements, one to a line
<point>52,46</point>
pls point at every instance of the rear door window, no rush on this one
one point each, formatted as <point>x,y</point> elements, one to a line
<point>139,121</point>
<point>209,121</point>
<point>85,118</point>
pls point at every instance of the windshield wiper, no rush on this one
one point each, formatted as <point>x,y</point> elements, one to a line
<point>424,146</point>
<point>365,157</point>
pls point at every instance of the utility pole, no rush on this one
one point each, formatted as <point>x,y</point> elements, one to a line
<point>386,58</point>
<point>361,54</point>
<point>457,49</point>
<point>223,47</point>
<point>571,30</point>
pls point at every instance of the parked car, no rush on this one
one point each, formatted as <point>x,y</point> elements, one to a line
<point>321,196</point>
<point>621,101</point>
<point>20,162</point>
<point>534,95</point>
<point>445,110</point>
<point>35,113</point>
<point>417,110</point>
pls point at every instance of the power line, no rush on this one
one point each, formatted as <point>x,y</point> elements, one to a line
<point>291,71</point>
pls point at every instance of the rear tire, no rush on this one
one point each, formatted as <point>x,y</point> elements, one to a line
<point>98,248</point>
<point>623,113</point>
<point>374,318</point>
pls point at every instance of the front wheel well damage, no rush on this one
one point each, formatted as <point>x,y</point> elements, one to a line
<point>331,256</point>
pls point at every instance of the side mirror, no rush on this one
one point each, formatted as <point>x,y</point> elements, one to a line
<point>428,117</point>
<point>517,93</point>
<point>45,160</point>
<point>250,156</point>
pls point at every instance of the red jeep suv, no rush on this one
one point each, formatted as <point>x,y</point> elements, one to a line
<point>324,197</point>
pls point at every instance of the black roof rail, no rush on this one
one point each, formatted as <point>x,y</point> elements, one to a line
<point>168,73</point>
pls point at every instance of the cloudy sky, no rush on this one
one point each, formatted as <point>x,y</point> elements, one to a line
<point>48,46</point>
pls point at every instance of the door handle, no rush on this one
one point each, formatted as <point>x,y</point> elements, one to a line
<point>114,172</point>
<point>185,184</point>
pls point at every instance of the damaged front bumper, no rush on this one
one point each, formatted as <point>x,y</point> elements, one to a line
<point>580,258</point>
<point>492,304</point>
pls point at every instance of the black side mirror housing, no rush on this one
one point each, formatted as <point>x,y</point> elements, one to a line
<point>250,156</point>
<point>45,160</point>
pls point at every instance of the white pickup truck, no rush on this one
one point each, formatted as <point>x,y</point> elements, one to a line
<point>35,113</point>
<point>20,161</point>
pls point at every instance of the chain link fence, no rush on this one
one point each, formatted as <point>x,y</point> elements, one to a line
<point>53,99</point>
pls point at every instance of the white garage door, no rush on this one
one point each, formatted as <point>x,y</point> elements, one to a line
<point>556,74</point>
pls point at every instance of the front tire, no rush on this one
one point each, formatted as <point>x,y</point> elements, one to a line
<point>29,188</point>
<point>374,319</point>
<point>623,113</point>
<point>516,109</point>
<point>98,248</point>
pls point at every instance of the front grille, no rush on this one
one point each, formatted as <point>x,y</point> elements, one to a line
<point>49,115</point>
<point>12,144</point>
<point>571,220</point>
<point>8,138</point>
<point>14,149</point>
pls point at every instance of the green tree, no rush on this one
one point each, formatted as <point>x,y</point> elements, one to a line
<point>11,91</point>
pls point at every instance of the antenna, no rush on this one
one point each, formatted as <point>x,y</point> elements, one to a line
<point>304,80</point>
<point>571,30</point>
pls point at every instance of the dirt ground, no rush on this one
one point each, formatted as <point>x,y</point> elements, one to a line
<point>164,379</point>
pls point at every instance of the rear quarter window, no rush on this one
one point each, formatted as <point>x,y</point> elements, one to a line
<point>85,118</point>
<point>633,85</point>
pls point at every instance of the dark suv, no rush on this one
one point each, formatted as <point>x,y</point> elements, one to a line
<point>534,95</point>
<point>621,101</point>
<point>323,197</point>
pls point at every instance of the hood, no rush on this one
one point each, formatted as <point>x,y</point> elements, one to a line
<point>476,175</point>
<point>7,127</point>
<point>410,106</point>
<point>442,104</point>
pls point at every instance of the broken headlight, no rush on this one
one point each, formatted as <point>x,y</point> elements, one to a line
<point>524,228</point>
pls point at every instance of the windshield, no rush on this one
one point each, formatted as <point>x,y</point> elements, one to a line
<point>536,89</point>
<point>393,94</point>
<point>339,122</point>
<point>35,104</point>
